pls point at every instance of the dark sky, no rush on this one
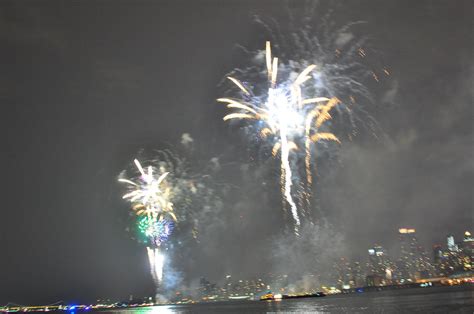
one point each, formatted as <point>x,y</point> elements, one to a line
<point>83,87</point>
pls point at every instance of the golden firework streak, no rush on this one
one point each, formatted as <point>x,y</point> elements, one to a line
<point>321,114</point>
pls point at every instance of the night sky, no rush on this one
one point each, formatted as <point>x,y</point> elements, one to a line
<point>84,87</point>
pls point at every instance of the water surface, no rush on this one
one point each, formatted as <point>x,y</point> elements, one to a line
<point>416,300</point>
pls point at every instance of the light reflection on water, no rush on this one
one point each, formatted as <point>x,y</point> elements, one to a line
<point>439,300</point>
<point>159,309</point>
<point>163,309</point>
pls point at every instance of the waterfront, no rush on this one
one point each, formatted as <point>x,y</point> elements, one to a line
<point>422,300</point>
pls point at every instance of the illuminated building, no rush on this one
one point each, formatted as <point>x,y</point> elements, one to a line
<point>468,251</point>
<point>414,264</point>
<point>377,261</point>
<point>375,281</point>
<point>458,257</point>
<point>439,259</point>
<point>437,254</point>
<point>406,264</point>
<point>348,274</point>
<point>380,268</point>
<point>344,273</point>
<point>468,237</point>
<point>451,244</point>
<point>227,289</point>
<point>207,289</point>
<point>357,275</point>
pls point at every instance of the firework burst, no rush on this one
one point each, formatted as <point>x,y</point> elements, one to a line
<point>284,113</point>
<point>150,198</point>
<point>149,194</point>
<point>168,182</point>
<point>156,232</point>
<point>347,64</point>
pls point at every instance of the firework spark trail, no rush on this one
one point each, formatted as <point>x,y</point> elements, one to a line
<point>156,260</point>
<point>284,145</point>
<point>287,173</point>
<point>151,253</point>
<point>321,114</point>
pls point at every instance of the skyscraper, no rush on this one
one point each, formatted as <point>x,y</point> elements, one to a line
<point>456,257</point>
<point>344,273</point>
<point>439,259</point>
<point>380,268</point>
<point>451,244</point>
<point>468,251</point>
<point>414,264</point>
<point>357,275</point>
<point>377,261</point>
<point>437,254</point>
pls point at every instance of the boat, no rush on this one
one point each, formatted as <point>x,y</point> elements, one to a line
<point>239,297</point>
<point>266,297</point>
<point>306,295</point>
<point>271,296</point>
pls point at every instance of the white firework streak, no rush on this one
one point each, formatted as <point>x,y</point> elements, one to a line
<point>285,154</point>
<point>156,260</point>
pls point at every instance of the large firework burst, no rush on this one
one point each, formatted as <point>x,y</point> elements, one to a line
<point>287,115</point>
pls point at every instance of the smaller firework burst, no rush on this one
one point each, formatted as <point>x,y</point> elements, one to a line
<point>156,232</point>
<point>149,193</point>
<point>150,198</point>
